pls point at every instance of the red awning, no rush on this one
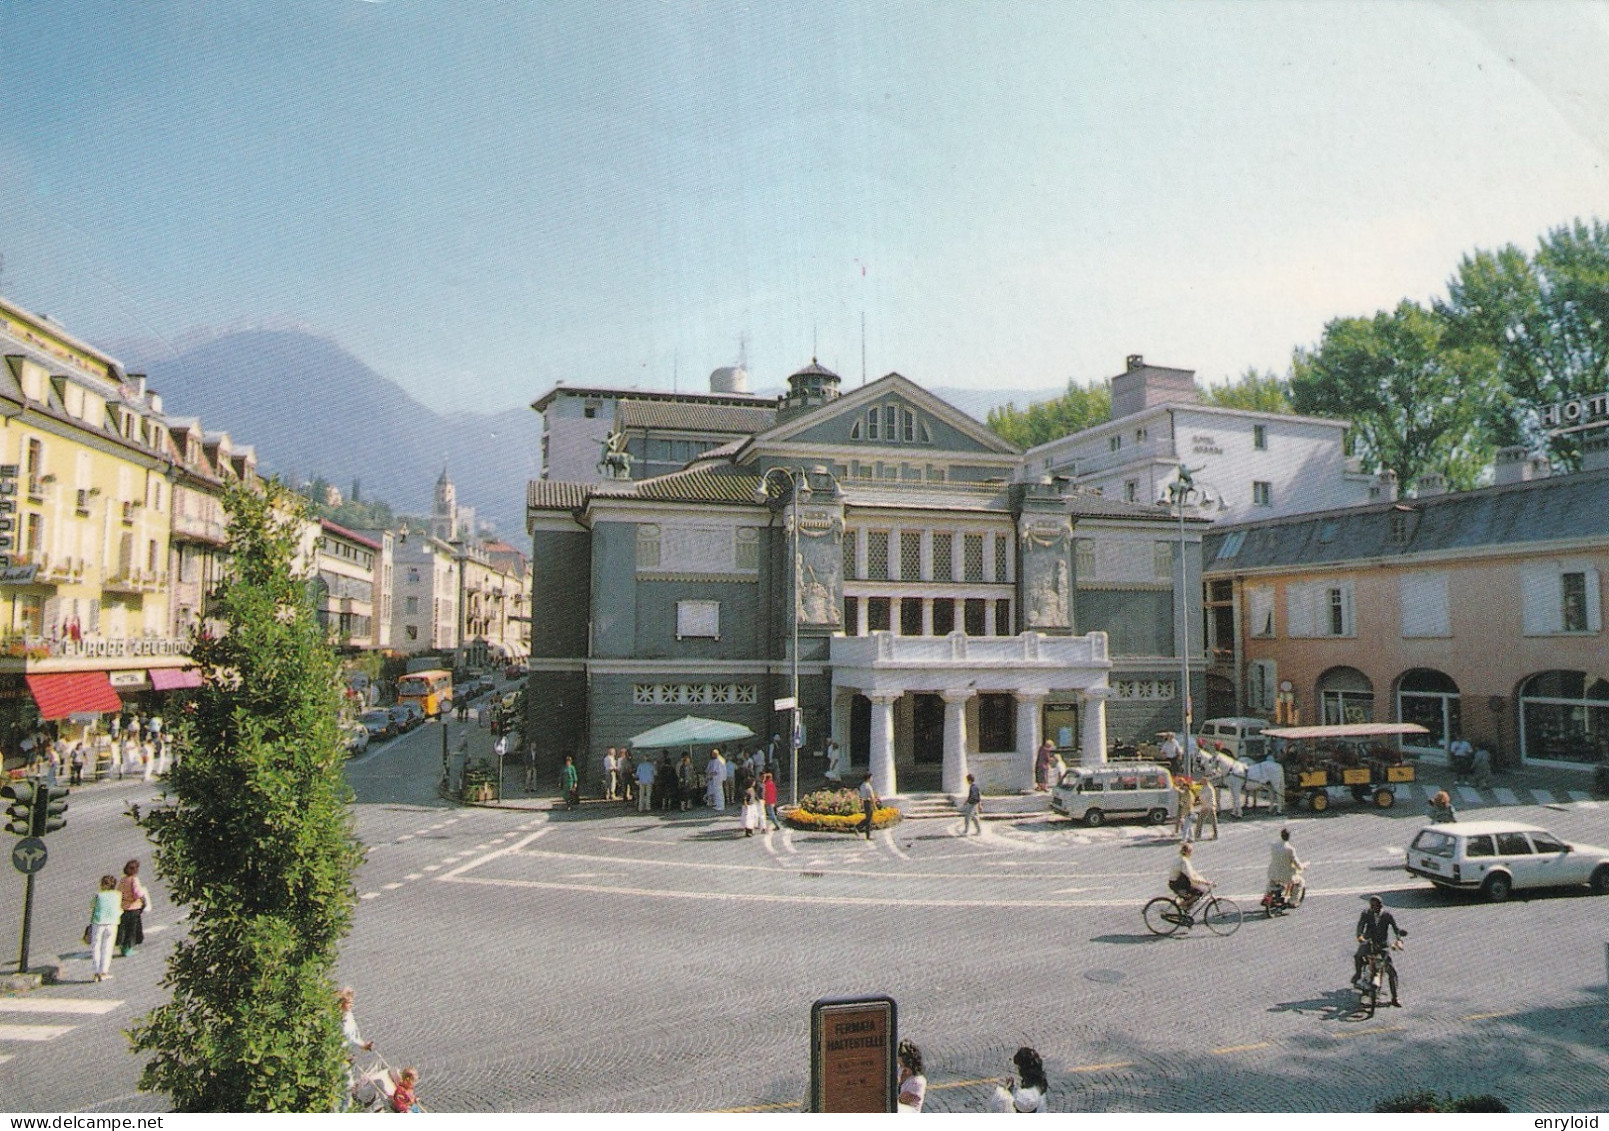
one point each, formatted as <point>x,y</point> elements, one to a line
<point>174,679</point>
<point>69,693</point>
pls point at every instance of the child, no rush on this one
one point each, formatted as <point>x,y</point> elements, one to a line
<point>402,1094</point>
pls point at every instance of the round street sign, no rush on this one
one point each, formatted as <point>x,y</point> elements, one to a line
<point>28,855</point>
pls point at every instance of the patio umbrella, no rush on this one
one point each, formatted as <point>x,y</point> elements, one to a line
<point>690,731</point>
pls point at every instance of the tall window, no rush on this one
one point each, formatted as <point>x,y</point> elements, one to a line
<point>972,550</point>
<point>1262,494</point>
<point>943,616</point>
<point>997,731</point>
<point>1337,605</point>
<point>943,557</point>
<point>851,540</point>
<point>1002,617</point>
<point>1259,437</point>
<point>910,555</point>
<point>910,616</point>
<point>1001,549</point>
<point>877,555</point>
<point>1573,590</point>
<point>851,616</point>
<point>874,419</point>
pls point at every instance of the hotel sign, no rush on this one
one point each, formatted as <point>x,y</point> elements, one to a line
<point>1580,412</point>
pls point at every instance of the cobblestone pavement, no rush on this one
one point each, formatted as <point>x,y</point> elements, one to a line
<point>610,960</point>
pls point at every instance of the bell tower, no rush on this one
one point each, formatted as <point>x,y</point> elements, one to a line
<point>444,517</point>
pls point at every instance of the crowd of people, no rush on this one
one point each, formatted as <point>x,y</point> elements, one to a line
<point>130,746</point>
<point>747,782</point>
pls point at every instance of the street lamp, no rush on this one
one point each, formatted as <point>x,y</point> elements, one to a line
<point>1184,492</point>
<point>799,488</point>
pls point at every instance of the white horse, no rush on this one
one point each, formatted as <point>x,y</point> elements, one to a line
<point>1243,781</point>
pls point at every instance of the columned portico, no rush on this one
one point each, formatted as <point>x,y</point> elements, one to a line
<point>1093,741</point>
<point>955,739</point>
<point>1030,701</point>
<point>882,744</point>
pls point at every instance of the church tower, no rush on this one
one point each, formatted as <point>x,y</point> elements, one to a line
<point>444,518</point>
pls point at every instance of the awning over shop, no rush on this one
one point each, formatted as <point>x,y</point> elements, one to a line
<point>62,694</point>
<point>174,679</point>
<point>690,731</point>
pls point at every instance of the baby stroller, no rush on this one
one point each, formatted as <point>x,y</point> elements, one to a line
<point>373,1082</point>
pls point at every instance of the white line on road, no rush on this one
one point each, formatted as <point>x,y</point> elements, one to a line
<point>432,867</point>
<point>4,1058</point>
<point>1468,795</point>
<point>893,845</point>
<point>370,895</point>
<point>1543,796</point>
<point>33,1032</point>
<point>390,887</point>
<point>414,876</point>
<point>478,861</point>
<point>58,1004</point>
<point>1505,796</point>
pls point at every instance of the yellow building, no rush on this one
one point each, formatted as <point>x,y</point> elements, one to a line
<point>86,493</point>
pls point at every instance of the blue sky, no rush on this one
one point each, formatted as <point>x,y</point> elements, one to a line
<point>480,200</point>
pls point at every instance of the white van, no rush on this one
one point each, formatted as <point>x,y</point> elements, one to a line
<point>1121,789</point>
<point>1241,737</point>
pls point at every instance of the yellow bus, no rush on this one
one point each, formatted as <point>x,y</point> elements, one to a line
<point>431,692</point>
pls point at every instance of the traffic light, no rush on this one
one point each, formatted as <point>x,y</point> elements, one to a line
<point>50,809</point>
<point>20,813</point>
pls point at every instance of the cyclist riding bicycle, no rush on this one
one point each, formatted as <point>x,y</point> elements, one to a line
<point>1375,928</point>
<point>1185,882</point>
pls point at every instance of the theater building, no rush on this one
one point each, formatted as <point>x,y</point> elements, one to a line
<point>949,617</point>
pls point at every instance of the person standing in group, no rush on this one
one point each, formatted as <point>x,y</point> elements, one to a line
<point>751,810</point>
<point>969,808</point>
<point>611,775</point>
<point>103,923</point>
<point>912,1084</point>
<point>868,803</point>
<point>768,794</point>
<point>133,897</point>
<point>665,783</point>
<point>1206,809</point>
<point>529,758</point>
<point>77,777</point>
<point>645,784</point>
<point>1172,752</point>
<point>714,782</point>
<point>686,781</point>
<point>1042,766</point>
<point>1025,1091</point>
<point>570,782</point>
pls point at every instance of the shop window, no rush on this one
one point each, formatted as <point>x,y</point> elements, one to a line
<point>997,718</point>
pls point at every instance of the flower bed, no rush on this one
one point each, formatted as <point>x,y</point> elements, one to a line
<point>837,810</point>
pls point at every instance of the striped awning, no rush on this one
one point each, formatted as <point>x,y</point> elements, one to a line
<point>68,693</point>
<point>174,679</point>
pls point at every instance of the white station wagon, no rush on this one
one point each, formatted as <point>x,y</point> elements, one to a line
<point>1496,857</point>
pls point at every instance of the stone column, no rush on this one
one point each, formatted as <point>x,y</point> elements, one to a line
<point>955,739</point>
<point>1030,700</point>
<point>882,742</point>
<point>1092,738</point>
<point>842,698</point>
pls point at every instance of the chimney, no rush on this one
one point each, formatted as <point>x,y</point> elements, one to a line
<point>1595,451</point>
<point>1385,489</point>
<point>1431,484</point>
<point>138,381</point>
<point>1511,465</point>
<point>1541,467</point>
<point>1141,386</point>
<point>1133,361</point>
<point>154,402</point>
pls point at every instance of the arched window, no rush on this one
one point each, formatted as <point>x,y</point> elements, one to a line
<point>1345,696</point>
<point>1564,717</point>
<point>1429,698</point>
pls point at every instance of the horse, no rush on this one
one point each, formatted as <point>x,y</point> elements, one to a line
<point>1244,781</point>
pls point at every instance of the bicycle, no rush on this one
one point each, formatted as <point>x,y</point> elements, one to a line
<point>1378,969</point>
<point>1166,916</point>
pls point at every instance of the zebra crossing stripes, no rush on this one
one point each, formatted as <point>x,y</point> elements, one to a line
<point>37,1034</point>
<point>33,1032</point>
<point>1468,795</point>
<point>1504,796</point>
<point>1543,796</point>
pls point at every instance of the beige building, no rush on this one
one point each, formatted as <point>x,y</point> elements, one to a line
<point>1478,613</point>
<point>343,585</point>
<point>424,606</point>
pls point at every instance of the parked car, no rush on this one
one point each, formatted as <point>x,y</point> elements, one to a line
<point>406,716</point>
<point>514,671</point>
<point>379,724</point>
<point>1124,789</point>
<point>1240,737</point>
<point>1497,857</point>
<point>357,738</point>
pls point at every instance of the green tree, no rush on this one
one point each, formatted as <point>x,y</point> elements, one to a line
<point>1546,318</point>
<point>255,838</point>
<point>1413,397</point>
<point>1076,409</point>
<point>1253,391</point>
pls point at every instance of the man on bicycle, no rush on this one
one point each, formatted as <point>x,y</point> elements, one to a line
<point>1185,882</point>
<point>1375,928</point>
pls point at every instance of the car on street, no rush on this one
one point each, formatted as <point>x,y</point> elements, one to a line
<point>379,724</point>
<point>1240,737</point>
<point>1499,857</point>
<point>406,716</point>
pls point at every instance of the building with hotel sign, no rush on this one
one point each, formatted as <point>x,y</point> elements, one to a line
<point>948,615</point>
<point>1476,612</point>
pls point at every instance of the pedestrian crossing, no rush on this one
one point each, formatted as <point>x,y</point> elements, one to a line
<point>17,1013</point>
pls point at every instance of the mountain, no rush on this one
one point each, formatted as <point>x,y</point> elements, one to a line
<point>310,408</point>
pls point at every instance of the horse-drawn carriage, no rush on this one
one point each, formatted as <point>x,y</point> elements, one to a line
<point>1364,759</point>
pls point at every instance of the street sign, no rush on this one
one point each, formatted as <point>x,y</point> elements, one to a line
<point>787,704</point>
<point>28,855</point>
<point>852,1046</point>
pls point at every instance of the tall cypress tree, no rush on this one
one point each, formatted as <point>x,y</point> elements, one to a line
<point>256,840</point>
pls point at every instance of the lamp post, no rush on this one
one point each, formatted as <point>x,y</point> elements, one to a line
<point>1184,492</point>
<point>799,489</point>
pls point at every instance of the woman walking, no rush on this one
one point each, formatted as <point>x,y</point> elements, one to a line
<point>130,930</point>
<point>103,914</point>
<point>751,810</point>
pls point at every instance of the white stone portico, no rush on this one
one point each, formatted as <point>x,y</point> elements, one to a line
<point>1031,667</point>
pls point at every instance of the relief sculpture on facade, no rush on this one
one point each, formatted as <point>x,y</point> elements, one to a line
<point>821,557</point>
<point>1045,577</point>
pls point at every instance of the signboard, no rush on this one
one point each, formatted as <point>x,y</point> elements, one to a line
<point>18,574</point>
<point>28,855</point>
<point>1573,415</point>
<point>853,1042</point>
<point>787,704</point>
<point>127,679</point>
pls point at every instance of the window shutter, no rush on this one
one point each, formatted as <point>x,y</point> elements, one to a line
<point>1299,609</point>
<point>1260,599</point>
<point>1423,605</point>
<point>1349,625</point>
<point>1594,612</point>
<point>1539,600</point>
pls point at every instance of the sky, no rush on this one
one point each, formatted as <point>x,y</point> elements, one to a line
<point>481,200</point>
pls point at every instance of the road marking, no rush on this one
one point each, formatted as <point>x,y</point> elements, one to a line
<point>414,876</point>
<point>1370,1032</point>
<point>1102,1067</point>
<point>408,836</point>
<point>1244,1048</point>
<point>432,867</point>
<point>893,845</point>
<point>58,1005</point>
<point>33,1032</point>
<point>1485,1016</point>
<point>1543,796</point>
<point>390,887</point>
<point>4,1058</point>
<point>1505,796</point>
<point>479,860</point>
<point>370,895</point>
<point>1468,795</point>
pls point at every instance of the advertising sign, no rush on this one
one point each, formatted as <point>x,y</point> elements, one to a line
<point>853,1042</point>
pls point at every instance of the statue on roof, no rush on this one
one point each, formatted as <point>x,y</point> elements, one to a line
<point>615,461</point>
